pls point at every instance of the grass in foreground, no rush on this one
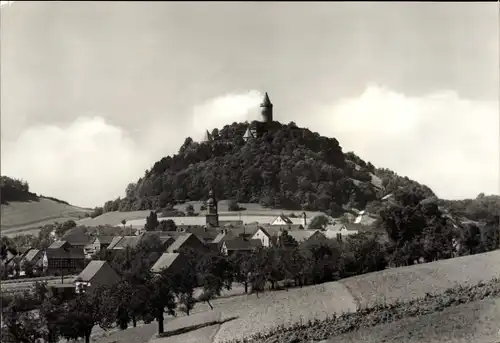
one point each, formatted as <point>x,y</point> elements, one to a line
<point>478,322</point>
<point>383,313</point>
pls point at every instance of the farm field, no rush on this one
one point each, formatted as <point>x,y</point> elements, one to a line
<point>252,213</point>
<point>477,322</point>
<point>17,217</point>
<point>411,282</point>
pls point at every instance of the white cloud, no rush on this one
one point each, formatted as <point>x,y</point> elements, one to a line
<point>450,144</point>
<point>225,110</point>
<point>91,161</point>
<point>85,163</point>
<point>442,140</point>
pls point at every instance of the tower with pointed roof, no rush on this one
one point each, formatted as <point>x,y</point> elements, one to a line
<point>266,109</point>
<point>212,216</point>
<point>207,137</point>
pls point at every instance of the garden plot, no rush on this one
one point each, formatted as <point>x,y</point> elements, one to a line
<point>412,282</point>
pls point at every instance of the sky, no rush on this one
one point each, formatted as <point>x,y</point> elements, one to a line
<point>92,94</point>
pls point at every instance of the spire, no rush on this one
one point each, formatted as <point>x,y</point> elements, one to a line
<point>266,102</point>
<point>207,137</point>
<point>248,134</point>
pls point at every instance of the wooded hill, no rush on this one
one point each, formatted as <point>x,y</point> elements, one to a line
<point>287,167</point>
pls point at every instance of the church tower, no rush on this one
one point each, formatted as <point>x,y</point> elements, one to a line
<point>266,109</point>
<point>212,216</point>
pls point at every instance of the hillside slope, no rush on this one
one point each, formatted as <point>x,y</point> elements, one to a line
<point>286,167</point>
<point>22,211</point>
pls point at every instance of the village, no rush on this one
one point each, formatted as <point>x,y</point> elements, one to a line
<point>79,260</point>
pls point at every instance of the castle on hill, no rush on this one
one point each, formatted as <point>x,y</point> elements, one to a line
<point>256,128</point>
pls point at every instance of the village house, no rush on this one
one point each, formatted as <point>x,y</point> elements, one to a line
<point>77,239</point>
<point>231,246</point>
<point>281,220</point>
<point>122,242</point>
<point>171,262</point>
<point>59,245</point>
<point>339,231</point>
<point>302,236</point>
<point>63,261</point>
<point>97,244</point>
<point>97,273</point>
<point>33,258</point>
<point>206,234</point>
<point>187,240</point>
<point>269,234</point>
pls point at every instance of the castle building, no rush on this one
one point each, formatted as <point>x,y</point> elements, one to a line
<point>255,128</point>
<point>266,109</point>
<point>212,216</point>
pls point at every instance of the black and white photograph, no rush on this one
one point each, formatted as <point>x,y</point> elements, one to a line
<point>249,172</point>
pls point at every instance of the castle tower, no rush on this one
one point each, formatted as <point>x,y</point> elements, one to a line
<point>266,109</point>
<point>212,216</point>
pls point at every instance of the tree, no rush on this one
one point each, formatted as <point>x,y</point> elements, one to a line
<point>215,274</point>
<point>160,297</point>
<point>318,223</point>
<point>233,206</point>
<point>88,309</point>
<point>491,234</point>
<point>123,222</point>
<point>167,225</point>
<point>287,241</point>
<point>189,210</point>
<point>151,222</point>
<point>364,253</point>
<point>61,229</point>
<point>241,267</point>
<point>471,242</point>
<point>20,323</point>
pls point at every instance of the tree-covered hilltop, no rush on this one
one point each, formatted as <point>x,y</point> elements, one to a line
<point>482,208</point>
<point>12,189</point>
<point>285,167</point>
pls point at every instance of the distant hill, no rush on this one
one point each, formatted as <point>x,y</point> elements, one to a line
<point>285,167</point>
<point>22,210</point>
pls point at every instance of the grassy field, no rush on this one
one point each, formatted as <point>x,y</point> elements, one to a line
<point>20,217</point>
<point>252,213</point>
<point>411,282</point>
<point>477,322</point>
<point>260,314</point>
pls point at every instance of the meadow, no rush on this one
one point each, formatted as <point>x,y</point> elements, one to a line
<point>263,313</point>
<point>20,217</point>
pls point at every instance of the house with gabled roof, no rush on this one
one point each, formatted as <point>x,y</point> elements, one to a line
<point>63,260</point>
<point>122,242</point>
<point>97,244</point>
<point>282,220</point>
<point>187,240</point>
<point>339,231</point>
<point>171,262</point>
<point>232,246</point>
<point>59,245</point>
<point>77,239</point>
<point>34,257</point>
<point>95,274</point>
<point>302,236</point>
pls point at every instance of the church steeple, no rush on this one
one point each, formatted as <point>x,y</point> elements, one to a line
<point>266,109</point>
<point>212,216</point>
